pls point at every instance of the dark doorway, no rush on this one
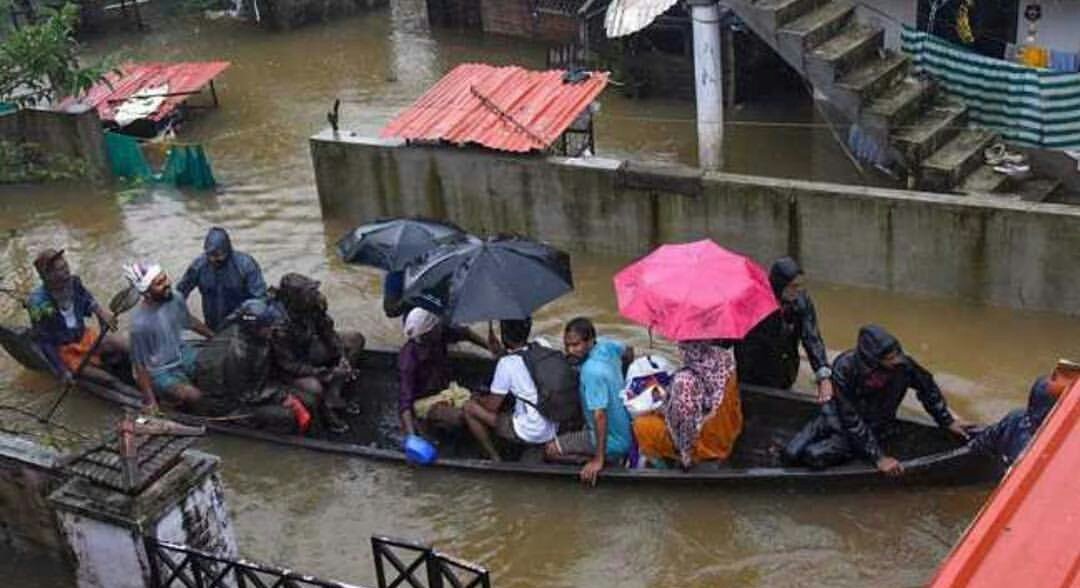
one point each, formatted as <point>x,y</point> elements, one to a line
<point>993,23</point>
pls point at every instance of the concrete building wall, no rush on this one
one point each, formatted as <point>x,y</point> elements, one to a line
<point>1059,27</point>
<point>985,249</point>
<point>74,133</point>
<point>27,521</point>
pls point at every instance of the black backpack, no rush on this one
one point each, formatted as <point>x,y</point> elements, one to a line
<point>558,396</point>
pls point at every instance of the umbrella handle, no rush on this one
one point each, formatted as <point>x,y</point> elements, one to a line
<point>650,338</point>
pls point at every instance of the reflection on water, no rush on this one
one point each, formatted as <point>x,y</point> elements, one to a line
<point>316,512</point>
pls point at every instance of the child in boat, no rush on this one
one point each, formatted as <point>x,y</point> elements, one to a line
<point>1008,438</point>
<point>702,418</point>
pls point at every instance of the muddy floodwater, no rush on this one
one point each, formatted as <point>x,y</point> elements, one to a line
<point>316,512</point>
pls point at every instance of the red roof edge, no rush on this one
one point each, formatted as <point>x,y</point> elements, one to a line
<point>1028,532</point>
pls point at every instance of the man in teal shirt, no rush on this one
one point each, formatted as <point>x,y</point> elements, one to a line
<point>607,435</point>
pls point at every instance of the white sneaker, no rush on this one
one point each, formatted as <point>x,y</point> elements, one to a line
<point>1013,170</point>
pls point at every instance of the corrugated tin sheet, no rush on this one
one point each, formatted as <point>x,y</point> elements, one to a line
<point>180,77</point>
<point>504,108</point>
<point>630,16</point>
<point>1029,530</point>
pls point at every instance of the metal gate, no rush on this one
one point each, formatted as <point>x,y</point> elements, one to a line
<point>178,566</point>
<point>420,566</point>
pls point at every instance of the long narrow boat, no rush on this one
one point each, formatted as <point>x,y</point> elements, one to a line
<point>930,455</point>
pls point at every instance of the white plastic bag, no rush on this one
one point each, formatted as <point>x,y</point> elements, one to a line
<point>651,393</point>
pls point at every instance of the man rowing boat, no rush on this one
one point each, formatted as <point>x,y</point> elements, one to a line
<point>58,309</point>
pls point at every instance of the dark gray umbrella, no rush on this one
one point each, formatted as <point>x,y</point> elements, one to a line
<point>392,244</point>
<point>490,279</point>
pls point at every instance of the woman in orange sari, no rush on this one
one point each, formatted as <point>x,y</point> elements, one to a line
<point>702,418</point>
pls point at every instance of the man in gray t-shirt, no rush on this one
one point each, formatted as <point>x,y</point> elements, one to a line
<point>162,362</point>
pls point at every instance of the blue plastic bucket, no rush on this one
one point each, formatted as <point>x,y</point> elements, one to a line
<point>419,451</point>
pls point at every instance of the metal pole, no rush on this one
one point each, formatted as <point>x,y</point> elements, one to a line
<point>708,77</point>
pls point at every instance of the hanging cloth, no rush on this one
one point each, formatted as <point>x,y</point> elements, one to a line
<point>126,158</point>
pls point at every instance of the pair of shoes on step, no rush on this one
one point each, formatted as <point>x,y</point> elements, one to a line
<point>1005,162</point>
<point>997,154</point>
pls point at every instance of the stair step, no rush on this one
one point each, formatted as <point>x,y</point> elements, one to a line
<point>944,169</point>
<point>900,103</point>
<point>816,27</point>
<point>784,11</point>
<point>871,78</point>
<point>832,59</point>
<point>1037,189</point>
<point>930,130</point>
<point>984,180</point>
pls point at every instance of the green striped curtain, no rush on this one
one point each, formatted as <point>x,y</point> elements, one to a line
<point>1026,105</point>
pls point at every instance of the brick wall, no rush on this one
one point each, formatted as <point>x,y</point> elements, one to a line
<point>515,18</point>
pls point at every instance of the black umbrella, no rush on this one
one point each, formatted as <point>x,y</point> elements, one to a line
<point>392,244</point>
<point>490,279</point>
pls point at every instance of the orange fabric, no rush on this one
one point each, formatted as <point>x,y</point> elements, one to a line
<point>73,353</point>
<point>1035,56</point>
<point>715,441</point>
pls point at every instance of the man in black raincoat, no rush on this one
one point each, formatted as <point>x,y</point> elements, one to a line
<point>224,277</point>
<point>307,350</point>
<point>1008,438</point>
<point>233,372</point>
<point>870,381</point>
<point>769,355</point>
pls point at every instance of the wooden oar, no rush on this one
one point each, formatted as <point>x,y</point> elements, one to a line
<point>120,303</point>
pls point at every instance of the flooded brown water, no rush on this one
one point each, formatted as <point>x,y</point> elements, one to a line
<point>316,512</point>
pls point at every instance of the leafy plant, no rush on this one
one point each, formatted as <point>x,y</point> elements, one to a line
<point>39,63</point>
<point>27,162</point>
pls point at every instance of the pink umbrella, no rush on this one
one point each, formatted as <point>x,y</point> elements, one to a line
<point>693,291</point>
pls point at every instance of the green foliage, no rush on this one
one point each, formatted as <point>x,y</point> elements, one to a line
<point>39,62</point>
<point>27,162</point>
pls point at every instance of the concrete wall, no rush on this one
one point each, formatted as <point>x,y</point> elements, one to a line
<point>105,528</point>
<point>74,133</point>
<point>1059,27</point>
<point>27,522</point>
<point>986,249</point>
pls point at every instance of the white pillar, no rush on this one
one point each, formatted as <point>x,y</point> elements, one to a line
<point>104,528</point>
<point>709,79</point>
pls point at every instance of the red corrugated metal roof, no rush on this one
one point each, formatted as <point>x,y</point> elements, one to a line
<point>1029,531</point>
<point>181,78</point>
<point>464,107</point>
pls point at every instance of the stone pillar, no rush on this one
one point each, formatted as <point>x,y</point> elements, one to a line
<point>105,527</point>
<point>708,77</point>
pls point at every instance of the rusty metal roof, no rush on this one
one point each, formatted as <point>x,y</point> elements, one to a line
<point>1027,533</point>
<point>183,79</point>
<point>630,16</point>
<point>503,108</point>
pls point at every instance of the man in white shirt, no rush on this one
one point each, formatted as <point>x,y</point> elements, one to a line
<point>524,424</point>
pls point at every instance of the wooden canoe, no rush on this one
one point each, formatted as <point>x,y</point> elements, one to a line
<point>930,455</point>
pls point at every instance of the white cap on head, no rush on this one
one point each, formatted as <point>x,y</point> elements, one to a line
<point>142,275</point>
<point>420,322</point>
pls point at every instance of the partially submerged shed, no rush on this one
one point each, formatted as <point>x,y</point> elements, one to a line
<point>145,98</point>
<point>505,109</point>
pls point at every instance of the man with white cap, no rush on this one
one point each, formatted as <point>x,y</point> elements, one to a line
<point>426,390</point>
<point>162,362</point>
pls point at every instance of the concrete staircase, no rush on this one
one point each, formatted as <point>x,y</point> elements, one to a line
<point>845,60</point>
